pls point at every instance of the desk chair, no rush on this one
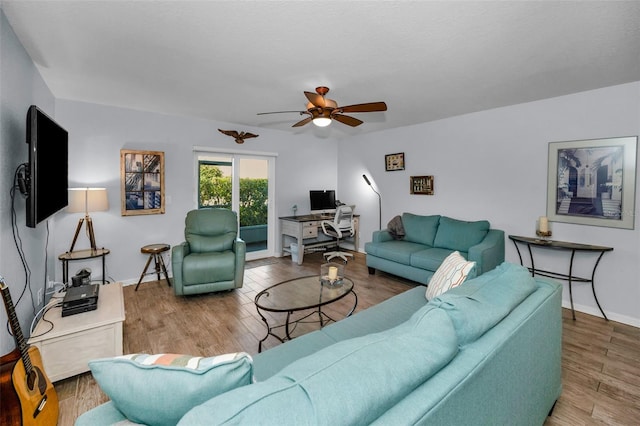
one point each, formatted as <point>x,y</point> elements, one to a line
<point>341,226</point>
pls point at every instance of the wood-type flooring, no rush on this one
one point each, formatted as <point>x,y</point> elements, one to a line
<point>600,359</point>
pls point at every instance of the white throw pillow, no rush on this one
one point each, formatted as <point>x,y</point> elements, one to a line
<point>451,273</point>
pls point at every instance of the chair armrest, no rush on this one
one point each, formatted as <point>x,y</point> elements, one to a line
<point>381,236</point>
<point>489,253</point>
<point>240,249</point>
<point>330,224</point>
<point>178,253</point>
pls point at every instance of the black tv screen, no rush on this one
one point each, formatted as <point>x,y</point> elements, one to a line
<point>322,200</point>
<point>47,169</point>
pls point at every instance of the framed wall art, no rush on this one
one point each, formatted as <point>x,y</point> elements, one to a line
<point>142,182</point>
<point>421,185</point>
<point>592,182</point>
<point>394,162</point>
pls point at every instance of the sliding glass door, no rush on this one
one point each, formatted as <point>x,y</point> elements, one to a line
<point>241,183</point>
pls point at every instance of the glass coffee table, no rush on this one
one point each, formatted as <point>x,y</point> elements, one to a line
<point>300,294</point>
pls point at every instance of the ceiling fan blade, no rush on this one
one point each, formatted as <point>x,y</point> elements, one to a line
<point>316,99</point>
<point>349,121</point>
<point>368,107</point>
<point>280,112</point>
<point>303,122</point>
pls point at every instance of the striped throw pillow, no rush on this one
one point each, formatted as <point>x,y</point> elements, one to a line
<point>451,273</point>
<point>159,389</point>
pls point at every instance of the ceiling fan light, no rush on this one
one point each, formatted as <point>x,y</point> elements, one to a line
<point>321,121</point>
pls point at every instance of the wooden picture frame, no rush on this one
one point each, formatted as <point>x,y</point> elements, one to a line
<point>592,182</point>
<point>393,162</point>
<point>421,185</point>
<point>142,182</point>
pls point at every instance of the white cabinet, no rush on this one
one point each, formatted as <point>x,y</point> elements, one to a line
<point>71,342</point>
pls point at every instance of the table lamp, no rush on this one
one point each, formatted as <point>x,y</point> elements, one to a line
<point>87,200</point>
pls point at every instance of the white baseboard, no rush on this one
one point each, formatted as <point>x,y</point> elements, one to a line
<point>134,281</point>
<point>635,322</point>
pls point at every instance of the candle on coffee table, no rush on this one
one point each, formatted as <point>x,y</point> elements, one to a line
<point>333,272</point>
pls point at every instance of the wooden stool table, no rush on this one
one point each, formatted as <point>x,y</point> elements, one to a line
<point>155,252</point>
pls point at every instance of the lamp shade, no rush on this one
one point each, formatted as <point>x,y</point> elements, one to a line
<point>321,121</point>
<point>87,200</point>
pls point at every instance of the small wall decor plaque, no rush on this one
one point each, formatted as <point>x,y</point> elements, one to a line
<point>394,162</point>
<point>141,182</point>
<point>421,185</point>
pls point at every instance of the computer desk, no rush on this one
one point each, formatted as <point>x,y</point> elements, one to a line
<point>305,231</point>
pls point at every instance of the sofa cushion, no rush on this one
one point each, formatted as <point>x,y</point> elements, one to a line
<point>420,229</point>
<point>453,271</point>
<point>430,259</point>
<point>352,382</point>
<point>396,251</point>
<point>479,304</point>
<point>159,389</point>
<point>460,235</point>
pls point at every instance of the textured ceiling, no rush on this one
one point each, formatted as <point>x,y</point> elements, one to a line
<point>228,60</point>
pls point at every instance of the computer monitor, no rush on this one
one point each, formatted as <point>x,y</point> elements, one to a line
<point>322,201</point>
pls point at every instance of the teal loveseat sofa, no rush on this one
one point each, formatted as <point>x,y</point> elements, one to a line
<point>487,352</point>
<point>428,240</point>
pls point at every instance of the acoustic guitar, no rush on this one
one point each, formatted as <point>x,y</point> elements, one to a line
<point>28,397</point>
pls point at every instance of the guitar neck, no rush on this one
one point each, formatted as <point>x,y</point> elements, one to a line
<point>15,327</point>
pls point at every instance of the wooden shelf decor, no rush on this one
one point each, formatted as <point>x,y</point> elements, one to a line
<point>142,182</point>
<point>421,185</point>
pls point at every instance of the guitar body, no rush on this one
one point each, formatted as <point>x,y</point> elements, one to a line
<point>28,397</point>
<point>25,396</point>
<point>10,413</point>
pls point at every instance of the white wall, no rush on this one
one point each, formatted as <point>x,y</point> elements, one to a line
<point>20,86</point>
<point>493,165</point>
<point>97,134</point>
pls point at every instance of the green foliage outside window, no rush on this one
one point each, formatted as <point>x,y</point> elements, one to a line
<point>215,191</point>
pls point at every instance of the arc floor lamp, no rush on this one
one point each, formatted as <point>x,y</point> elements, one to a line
<point>379,201</point>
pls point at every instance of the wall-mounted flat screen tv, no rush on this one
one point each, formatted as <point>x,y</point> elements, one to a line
<point>47,179</point>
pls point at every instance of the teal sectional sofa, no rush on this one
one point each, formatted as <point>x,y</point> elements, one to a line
<point>487,352</point>
<point>428,240</point>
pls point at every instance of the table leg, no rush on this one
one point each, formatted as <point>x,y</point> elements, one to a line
<point>518,250</point>
<point>65,272</point>
<point>104,277</point>
<point>593,286</point>
<point>533,267</point>
<point>286,326</point>
<point>573,312</point>
<point>269,333</point>
<point>300,250</point>
<point>355,303</point>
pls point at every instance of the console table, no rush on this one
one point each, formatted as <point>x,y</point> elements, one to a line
<point>82,255</point>
<point>308,227</point>
<point>566,246</point>
<point>68,343</point>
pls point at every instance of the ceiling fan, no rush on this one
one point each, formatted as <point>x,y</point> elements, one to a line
<point>322,110</point>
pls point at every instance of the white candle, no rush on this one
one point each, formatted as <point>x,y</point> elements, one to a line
<point>333,272</point>
<point>543,224</point>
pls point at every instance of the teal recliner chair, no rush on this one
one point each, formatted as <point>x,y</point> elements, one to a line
<point>212,257</point>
